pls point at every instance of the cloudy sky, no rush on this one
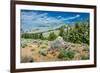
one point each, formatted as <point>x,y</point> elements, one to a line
<point>33,19</point>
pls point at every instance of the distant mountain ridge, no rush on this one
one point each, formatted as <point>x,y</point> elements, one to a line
<point>45,29</point>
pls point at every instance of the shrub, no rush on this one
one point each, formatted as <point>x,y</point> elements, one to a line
<point>23,45</point>
<point>41,36</point>
<point>66,54</point>
<point>62,54</point>
<point>25,59</point>
<point>43,46</point>
<point>70,54</point>
<point>52,36</point>
<point>43,52</point>
<point>83,57</point>
<point>32,49</point>
<point>78,34</point>
<point>61,33</point>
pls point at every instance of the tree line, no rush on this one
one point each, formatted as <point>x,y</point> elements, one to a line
<point>79,33</point>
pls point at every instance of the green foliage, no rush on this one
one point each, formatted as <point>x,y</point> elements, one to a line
<point>32,36</point>
<point>77,26</point>
<point>23,45</point>
<point>41,36</point>
<point>52,36</point>
<point>62,54</point>
<point>66,54</point>
<point>70,54</point>
<point>61,33</point>
<point>32,50</point>
<point>83,57</point>
<point>26,59</point>
<point>78,34</point>
<point>43,52</point>
<point>43,47</point>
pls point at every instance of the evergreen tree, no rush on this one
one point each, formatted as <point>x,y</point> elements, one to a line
<point>61,33</point>
<point>52,36</point>
<point>41,36</point>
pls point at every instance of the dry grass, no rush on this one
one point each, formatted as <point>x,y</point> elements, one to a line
<point>34,50</point>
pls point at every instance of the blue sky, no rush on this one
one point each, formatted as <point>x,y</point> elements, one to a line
<point>33,19</point>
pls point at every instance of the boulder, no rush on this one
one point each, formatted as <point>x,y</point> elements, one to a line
<point>57,43</point>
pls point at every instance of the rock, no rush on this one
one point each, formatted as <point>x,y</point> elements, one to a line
<point>34,42</point>
<point>58,43</point>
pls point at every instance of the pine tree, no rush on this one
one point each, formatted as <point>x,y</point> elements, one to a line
<point>61,33</point>
<point>52,36</point>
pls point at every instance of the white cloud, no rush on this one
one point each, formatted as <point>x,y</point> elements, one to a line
<point>35,19</point>
<point>59,17</point>
<point>70,18</point>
